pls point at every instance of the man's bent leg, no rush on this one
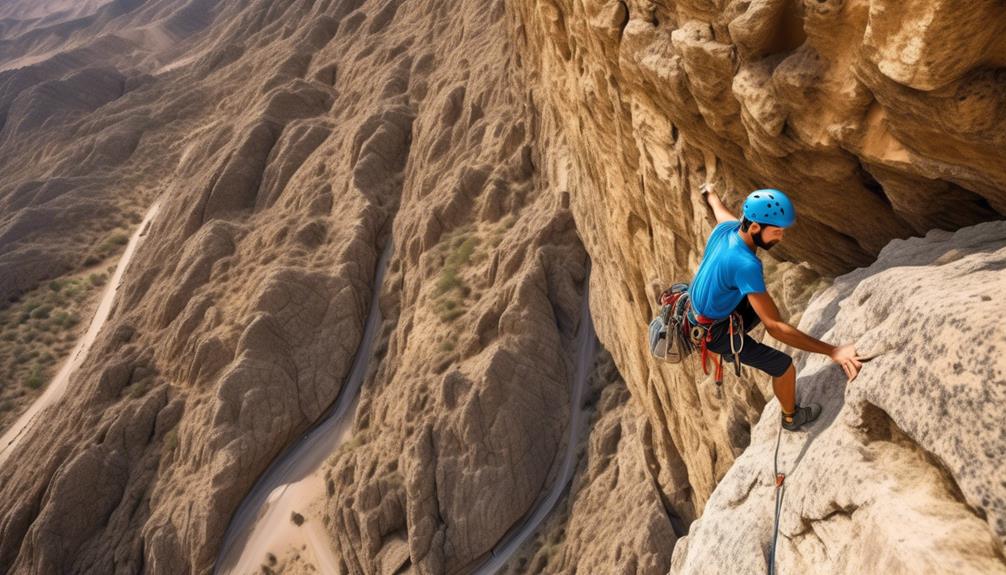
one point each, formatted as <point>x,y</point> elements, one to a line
<point>784,388</point>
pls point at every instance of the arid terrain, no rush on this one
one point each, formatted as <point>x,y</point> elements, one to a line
<point>502,189</point>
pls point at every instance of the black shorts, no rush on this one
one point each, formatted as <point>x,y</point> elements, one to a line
<point>754,353</point>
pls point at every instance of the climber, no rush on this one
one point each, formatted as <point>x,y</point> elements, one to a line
<point>730,281</point>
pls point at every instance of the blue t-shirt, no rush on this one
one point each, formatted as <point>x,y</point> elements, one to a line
<point>728,272</point>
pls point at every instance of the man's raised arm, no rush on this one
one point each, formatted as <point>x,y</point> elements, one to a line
<point>719,210</point>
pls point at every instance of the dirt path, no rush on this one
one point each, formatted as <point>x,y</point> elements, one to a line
<point>57,387</point>
<point>294,482</point>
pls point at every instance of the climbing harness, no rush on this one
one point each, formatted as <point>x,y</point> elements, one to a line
<point>702,336</point>
<point>678,330</point>
<point>780,491</point>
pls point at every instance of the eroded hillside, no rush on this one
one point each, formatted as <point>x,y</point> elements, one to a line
<point>505,153</point>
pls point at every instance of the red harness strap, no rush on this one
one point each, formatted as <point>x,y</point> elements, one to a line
<point>708,323</point>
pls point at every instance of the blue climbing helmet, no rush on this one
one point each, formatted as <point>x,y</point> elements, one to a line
<point>770,207</point>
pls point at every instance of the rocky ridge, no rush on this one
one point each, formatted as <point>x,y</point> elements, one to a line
<point>503,150</point>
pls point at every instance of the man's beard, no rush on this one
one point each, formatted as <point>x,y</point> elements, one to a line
<point>758,241</point>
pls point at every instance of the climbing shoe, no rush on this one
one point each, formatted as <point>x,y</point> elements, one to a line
<point>802,416</point>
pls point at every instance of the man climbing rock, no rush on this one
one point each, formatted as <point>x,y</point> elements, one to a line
<point>730,279</point>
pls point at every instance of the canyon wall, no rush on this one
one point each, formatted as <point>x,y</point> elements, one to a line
<point>507,153</point>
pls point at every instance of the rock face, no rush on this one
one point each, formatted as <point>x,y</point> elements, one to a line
<point>507,152</point>
<point>880,121</point>
<point>904,471</point>
<point>613,520</point>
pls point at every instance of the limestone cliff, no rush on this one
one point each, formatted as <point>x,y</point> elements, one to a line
<point>505,154</point>
<point>904,473</point>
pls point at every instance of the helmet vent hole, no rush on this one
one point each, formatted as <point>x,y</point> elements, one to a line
<point>771,197</point>
<point>757,196</point>
<point>783,210</point>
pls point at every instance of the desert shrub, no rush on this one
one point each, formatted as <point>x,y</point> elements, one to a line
<point>449,309</point>
<point>34,381</point>
<point>448,279</point>
<point>41,312</point>
<point>113,241</point>
<point>139,389</point>
<point>453,315</point>
<point>462,249</point>
<point>171,440</point>
<point>97,279</point>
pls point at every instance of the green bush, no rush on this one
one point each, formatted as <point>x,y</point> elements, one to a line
<point>34,381</point>
<point>97,279</point>
<point>448,279</point>
<point>139,389</point>
<point>171,440</point>
<point>41,312</point>
<point>463,248</point>
<point>55,285</point>
<point>112,242</point>
<point>453,315</point>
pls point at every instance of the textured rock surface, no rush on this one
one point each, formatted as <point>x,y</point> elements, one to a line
<point>612,519</point>
<point>880,121</point>
<point>498,148</point>
<point>904,471</point>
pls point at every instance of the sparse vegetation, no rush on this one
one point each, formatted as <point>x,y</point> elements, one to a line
<point>138,389</point>
<point>450,290</point>
<point>447,345</point>
<point>34,380</point>
<point>37,330</point>
<point>171,440</point>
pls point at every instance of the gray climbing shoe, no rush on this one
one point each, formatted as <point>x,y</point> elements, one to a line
<point>802,416</point>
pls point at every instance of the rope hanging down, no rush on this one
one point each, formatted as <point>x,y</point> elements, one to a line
<point>780,490</point>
